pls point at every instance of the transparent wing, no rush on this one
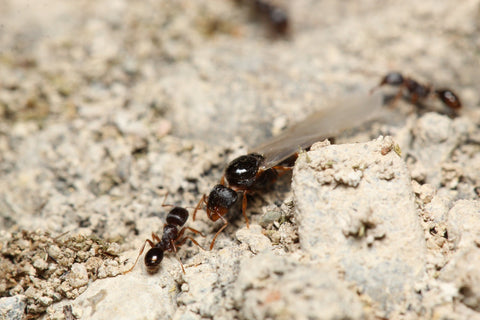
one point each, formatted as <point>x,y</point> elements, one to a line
<point>338,115</point>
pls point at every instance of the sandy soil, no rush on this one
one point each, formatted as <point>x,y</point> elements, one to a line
<point>107,106</point>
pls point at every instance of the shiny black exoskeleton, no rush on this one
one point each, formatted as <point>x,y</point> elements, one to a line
<point>176,218</point>
<point>242,171</point>
<point>243,174</point>
<point>219,201</point>
<point>172,238</point>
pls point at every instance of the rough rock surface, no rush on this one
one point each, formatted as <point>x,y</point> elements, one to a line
<point>355,207</point>
<point>279,287</point>
<point>13,308</point>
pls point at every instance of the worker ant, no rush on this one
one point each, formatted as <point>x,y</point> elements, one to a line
<point>264,164</point>
<point>172,238</point>
<point>418,92</point>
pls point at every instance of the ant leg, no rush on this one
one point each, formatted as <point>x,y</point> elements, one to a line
<point>177,242</point>
<point>155,238</point>
<point>202,201</point>
<point>171,205</point>
<point>244,208</point>
<point>140,253</point>
<point>378,86</point>
<point>172,244</point>
<point>281,170</point>
<point>414,99</point>
<point>181,264</point>
<point>165,199</point>
<point>180,233</point>
<point>218,232</point>
<point>195,242</point>
<point>183,240</point>
<point>191,229</point>
<point>393,101</point>
<point>375,88</point>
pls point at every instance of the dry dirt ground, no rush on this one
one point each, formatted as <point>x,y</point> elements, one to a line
<point>106,106</point>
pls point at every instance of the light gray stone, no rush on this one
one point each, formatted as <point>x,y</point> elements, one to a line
<point>355,207</point>
<point>13,308</point>
<point>279,287</point>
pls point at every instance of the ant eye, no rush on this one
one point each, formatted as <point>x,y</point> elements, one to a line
<point>152,259</point>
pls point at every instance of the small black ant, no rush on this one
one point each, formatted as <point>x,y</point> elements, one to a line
<point>172,238</point>
<point>449,98</point>
<point>417,91</point>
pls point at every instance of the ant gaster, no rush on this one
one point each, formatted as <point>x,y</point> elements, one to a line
<point>172,238</point>
<point>449,98</point>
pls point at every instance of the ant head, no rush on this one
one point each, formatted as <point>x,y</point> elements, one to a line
<point>153,258</point>
<point>393,78</point>
<point>177,216</point>
<point>220,200</point>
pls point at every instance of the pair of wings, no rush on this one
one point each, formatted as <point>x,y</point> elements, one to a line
<point>337,115</point>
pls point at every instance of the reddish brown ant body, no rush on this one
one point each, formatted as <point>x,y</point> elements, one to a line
<point>172,238</point>
<point>449,98</point>
<point>255,171</point>
<point>418,92</point>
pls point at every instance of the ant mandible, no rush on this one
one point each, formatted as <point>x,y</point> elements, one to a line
<point>418,91</point>
<point>172,238</point>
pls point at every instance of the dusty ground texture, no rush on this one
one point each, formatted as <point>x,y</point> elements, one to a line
<point>107,106</point>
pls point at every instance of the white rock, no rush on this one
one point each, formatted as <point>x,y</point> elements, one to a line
<point>370,229</point>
